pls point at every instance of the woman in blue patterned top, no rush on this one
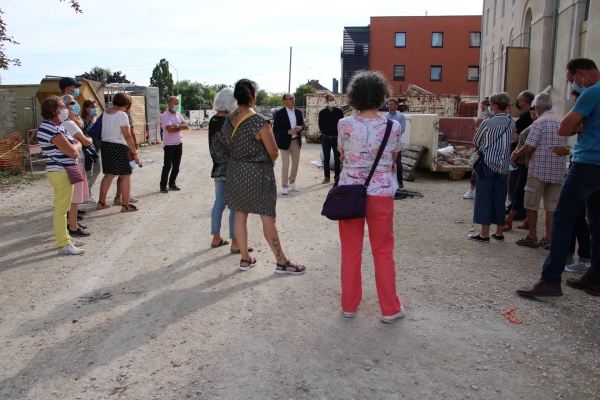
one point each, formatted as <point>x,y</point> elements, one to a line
<point>59,149</point>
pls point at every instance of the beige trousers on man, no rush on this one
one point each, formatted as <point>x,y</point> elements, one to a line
<point>294,152</point>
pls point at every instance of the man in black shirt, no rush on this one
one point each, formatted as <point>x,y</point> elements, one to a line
<point>328,121</point>
<point>523,103</point>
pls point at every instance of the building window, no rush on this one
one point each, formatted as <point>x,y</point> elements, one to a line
<point>437,39</point>
<point>587,10</point>
<point>399,72</point>
<point>487,21</point>
<point>475,39</point>
<point>436,73</point>
<point>495,12</point>
<point>400,40</point>
<point>503,8</point>
<point>473,74</point>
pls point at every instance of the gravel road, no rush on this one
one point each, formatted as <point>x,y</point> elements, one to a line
<point>151,311</point>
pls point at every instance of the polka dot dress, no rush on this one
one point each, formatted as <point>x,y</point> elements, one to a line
<point>115,159</point>
<point>251,183</point>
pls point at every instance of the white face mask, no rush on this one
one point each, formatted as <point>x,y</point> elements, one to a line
<point>64,114</point>
<point>331,104</point>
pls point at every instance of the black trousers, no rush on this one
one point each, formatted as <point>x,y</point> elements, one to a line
<point>330,143</point>
<point>172,161</point>
<point>399,169</point>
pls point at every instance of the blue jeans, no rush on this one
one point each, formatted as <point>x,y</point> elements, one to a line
<point>218,208</point>
<point>581,188</point>
<point>489,198</point>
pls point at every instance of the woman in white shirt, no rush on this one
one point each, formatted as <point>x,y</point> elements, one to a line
<point>116,145</point>
<point>80,190</point>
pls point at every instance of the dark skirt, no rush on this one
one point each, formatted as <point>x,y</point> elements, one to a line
<point>115,159</point>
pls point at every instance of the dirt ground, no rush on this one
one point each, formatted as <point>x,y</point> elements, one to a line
<point>152,312</point>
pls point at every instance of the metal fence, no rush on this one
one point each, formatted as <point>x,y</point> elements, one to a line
<point>26,114</point>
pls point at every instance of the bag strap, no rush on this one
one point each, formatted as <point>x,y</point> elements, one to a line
<point>240,123</point>
<point>388,131</point>
<point>499,136</point>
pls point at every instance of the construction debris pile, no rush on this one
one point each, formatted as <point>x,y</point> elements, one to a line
<point>452,155</point>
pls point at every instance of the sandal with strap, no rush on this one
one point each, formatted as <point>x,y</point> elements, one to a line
<point>545,244</point>
<point>528,242</point>
<point>129,208</point>
<point>251,263</point>
<point>297,269</point>
<point>102,206</point>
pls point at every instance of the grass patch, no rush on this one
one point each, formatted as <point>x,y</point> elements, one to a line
<point>10,178</point>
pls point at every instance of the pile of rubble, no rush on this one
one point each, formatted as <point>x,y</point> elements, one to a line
<point>453,155</point>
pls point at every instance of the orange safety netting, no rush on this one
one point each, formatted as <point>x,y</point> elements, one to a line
<point>11,153</point>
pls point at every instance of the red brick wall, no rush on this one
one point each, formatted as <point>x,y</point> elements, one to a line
<point>418,55</point>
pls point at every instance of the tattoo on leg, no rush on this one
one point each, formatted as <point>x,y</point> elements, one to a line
<point>277,247</point>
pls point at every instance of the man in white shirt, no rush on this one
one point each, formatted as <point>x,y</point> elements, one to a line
<point>287,125</point>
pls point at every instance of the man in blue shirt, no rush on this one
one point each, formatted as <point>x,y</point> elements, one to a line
<point>580,188</point>
<point>396,116</point>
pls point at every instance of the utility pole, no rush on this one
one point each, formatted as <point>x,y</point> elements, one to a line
<point>290,78</point>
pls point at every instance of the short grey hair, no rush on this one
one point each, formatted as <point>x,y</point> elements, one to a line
<point>528,96</point>
<point>501,99</point>
<point>543,101</point>
<point>224,101</point>
<point>368,90</point>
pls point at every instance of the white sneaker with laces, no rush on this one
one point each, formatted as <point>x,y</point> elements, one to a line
<point>284,191</point>
<point>76,242</point>
<point>70,250</point>
<point>578,266</point>
<point>469,195</point>
<point>294,187</point>
<point>390,319</point>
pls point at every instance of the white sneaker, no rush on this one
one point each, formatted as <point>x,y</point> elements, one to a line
<point>578,266</point>
<point>76,242</point>
<point>284,191</point>
<point>70,250</point>
<point>469,195</point>
<point>133,199</point>
<point>294,187</point>
<point>389,320</point>
<point>507,203</point>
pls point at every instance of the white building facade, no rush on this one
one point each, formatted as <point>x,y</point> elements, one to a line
<point>526,44</point>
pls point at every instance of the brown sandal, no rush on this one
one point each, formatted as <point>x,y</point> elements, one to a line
<point>102,206</point>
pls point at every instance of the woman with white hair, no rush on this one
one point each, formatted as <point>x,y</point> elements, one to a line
<point>219,151</point>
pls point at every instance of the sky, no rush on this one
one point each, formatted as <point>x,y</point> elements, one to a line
<point>208,42</point>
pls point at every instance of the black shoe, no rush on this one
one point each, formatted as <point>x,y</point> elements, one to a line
<point>80,212</point>
<point>81,226</point>
<point>499,238</point>
<point>163,189</point>
<point>174,187</point>
<point>79,233</point>
<point>479,238</point>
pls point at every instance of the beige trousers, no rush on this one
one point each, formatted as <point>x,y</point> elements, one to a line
<point>294,152</point>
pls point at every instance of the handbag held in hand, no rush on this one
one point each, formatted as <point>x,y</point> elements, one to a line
<point>350,201</point>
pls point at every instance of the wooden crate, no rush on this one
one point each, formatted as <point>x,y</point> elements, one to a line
<point>138,115</point>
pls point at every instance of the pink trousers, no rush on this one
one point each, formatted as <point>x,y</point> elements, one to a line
<point>380,218</point>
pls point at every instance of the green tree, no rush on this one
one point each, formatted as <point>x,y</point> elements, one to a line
<point>163,80</point>
<point>262,98</point>
<point>191,94</point>
<point>104,75</point>
<point>301,91</point>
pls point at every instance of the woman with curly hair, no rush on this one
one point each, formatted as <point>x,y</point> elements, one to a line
<point>359,139</point>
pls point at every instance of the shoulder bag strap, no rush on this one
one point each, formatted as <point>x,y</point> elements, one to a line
<point>388,131</point>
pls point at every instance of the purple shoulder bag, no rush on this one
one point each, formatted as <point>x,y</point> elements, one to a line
<point>350,201</point>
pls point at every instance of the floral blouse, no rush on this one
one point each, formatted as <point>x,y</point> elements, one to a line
<point>360,139</point>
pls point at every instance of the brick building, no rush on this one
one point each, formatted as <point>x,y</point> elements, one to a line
<point>438,54</point>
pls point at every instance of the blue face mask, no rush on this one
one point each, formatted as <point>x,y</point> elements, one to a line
<point>76,93</point>
<point>93,112</point>
<point>490,112</point>
<point>75,108</point>
<point>578,88</point>
<point>176,108</point>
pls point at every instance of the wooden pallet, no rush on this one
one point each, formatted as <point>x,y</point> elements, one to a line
<point>411,154</point>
